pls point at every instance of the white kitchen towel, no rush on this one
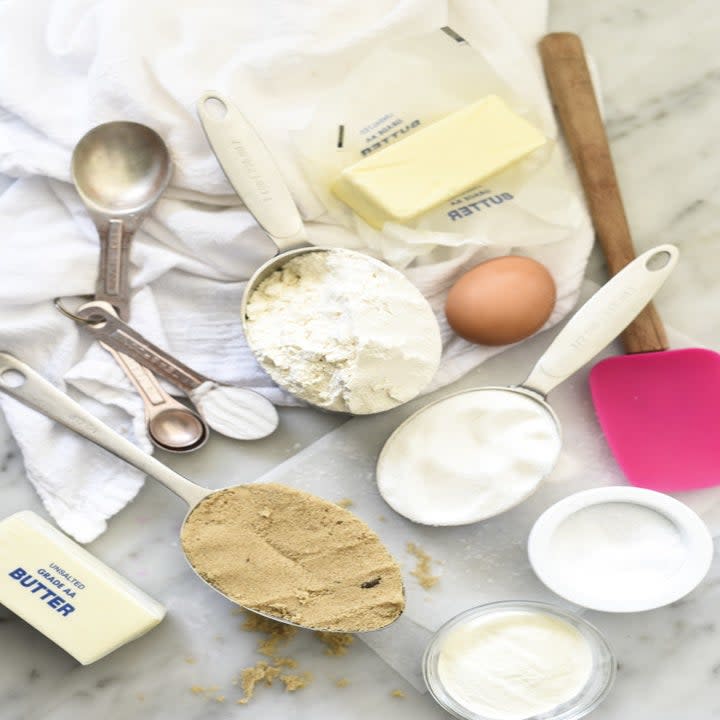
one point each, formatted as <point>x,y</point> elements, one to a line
<point>72,64</point>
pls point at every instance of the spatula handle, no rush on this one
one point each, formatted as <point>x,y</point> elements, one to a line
<point>572,91</point>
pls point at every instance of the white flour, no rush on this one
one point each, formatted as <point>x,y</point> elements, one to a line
<point>468,457</point>
<point>510,665</point>
<point>344,332</point>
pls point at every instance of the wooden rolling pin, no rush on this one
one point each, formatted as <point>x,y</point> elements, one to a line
<point>572,92</point>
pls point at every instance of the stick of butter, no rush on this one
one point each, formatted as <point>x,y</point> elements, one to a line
<point>68,594</point>
<point>437,163</point>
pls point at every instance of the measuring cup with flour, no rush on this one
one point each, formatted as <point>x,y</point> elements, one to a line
<point>280,552</point>
<point>477,453</point>
<point>337,328</point>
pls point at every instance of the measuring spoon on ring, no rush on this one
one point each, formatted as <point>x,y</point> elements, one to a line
<point>171,426</point>
<point>232,411</point>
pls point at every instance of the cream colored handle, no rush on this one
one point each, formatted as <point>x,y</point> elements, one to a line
<point>24,384</point>
<point>251,170</point>
<point>602,318</point>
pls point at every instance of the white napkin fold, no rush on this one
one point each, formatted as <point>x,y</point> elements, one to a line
<point>80,63</point>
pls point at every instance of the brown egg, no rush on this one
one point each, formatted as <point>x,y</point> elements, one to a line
<point>501,301</point>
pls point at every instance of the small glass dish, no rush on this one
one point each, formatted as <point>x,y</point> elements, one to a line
<point>598,685</point>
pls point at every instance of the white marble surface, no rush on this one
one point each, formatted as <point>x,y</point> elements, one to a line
<point>659,69</point>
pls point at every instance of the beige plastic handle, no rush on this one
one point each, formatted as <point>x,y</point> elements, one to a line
<point>602,318</point>
<point>572,91</point>
<point>251,170</point>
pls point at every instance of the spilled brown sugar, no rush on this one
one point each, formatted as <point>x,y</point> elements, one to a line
<point>423,567</point>
<point>336,644</point>
<point>267,672</point>
<point>294,556</point>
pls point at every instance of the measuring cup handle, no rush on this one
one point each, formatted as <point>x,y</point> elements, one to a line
<point>602,318</point>
<point>251,170</point>
<point>113,283</point>
<point>24,384</point>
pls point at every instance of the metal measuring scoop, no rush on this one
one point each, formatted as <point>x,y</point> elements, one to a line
<point>232,411</point>
<point>171,426</point>
<point>24,384</point>
<point>120,170</point>
<point>253,173</point>
<point>599,321</point>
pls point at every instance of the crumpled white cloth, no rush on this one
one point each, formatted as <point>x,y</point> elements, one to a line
<point>72,64</point>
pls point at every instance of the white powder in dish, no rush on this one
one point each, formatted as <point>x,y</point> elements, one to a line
<point>509,665</point>
<point>344,332</point>
<point>468,457</point>
<point>615,548</point>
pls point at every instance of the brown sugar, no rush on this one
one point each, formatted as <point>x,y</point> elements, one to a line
<point>267,673</point>
<point>277,633</point>
<point>294,556</point>
<point>423,569</point>
<point>336,644</point>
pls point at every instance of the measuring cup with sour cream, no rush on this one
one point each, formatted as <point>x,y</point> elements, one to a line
<point>478,453</point>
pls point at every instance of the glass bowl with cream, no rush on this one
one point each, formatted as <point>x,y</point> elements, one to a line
<point>518,660</point>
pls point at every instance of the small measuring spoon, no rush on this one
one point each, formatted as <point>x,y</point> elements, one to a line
<point>24,384</point>
<point>233,411</point>
<point>609,311</point>
<point>172,426</point>
<point>120,170</point>
<point>253,173</point>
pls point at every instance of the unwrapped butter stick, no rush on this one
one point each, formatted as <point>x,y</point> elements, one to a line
<point>437,163</point>
<point>68,594</point>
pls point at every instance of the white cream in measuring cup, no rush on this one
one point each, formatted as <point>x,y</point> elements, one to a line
<point>475,454</point>
<point>337,328</point>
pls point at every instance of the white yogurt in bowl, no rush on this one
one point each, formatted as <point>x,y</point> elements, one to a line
<point>518,661</point>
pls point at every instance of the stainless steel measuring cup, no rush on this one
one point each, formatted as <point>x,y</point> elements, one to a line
<point>253,173</point>
<point>451,500</point>
<point>24,384</point>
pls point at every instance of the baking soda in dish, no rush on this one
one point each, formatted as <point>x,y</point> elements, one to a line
<point>468,457</point>
<point>511,664</point>
<point>344,332</point>
<point>617,548</point>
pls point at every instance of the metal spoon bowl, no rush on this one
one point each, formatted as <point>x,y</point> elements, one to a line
<point>24,384</point>
<point>121,168</point>
<point>178,430</point>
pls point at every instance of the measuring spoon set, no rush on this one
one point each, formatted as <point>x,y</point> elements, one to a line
<point>120,170</point>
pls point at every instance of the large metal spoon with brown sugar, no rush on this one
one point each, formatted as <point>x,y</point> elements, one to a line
<point>367,595</point>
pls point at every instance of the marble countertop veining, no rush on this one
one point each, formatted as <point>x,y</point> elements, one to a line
<point>660,74</point>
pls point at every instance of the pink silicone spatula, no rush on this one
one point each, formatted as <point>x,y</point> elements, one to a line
<point>659,408</point>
